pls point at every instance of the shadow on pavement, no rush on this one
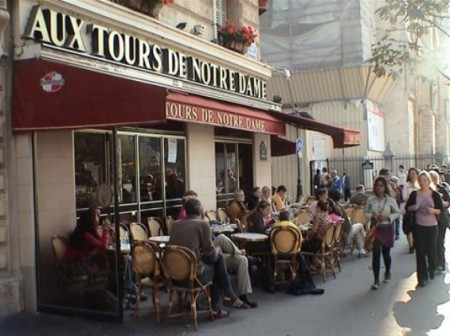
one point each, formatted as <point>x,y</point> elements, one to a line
<point>419,315</point>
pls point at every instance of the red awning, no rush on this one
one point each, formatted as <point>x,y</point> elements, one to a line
<point>342,137</point>
<point>49,95</point>
<point>281,147</point>
<point>185,107</point>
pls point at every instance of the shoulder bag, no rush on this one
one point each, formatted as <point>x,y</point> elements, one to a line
<point>370,236</point>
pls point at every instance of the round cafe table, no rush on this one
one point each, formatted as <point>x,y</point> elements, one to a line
<point>250,237</point>
<point>160,239</point>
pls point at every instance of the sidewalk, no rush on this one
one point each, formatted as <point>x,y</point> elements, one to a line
<point>348,308</point>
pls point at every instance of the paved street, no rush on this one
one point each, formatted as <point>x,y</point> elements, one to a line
<point>348,307</point>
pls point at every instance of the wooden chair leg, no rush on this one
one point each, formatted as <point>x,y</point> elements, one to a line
<point>169,309</point>
<point>194,309</point>
<point>138,299</point>
<point>156,303</point>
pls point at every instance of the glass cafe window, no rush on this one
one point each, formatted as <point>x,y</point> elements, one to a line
<point>175,174</point>
<point>127,167</point>
<point>227,174</point>
<point>90,166</point>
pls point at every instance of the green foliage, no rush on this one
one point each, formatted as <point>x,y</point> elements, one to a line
<point>404,39</point>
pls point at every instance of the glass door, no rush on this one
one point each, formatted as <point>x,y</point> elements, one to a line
<point>233,170</point>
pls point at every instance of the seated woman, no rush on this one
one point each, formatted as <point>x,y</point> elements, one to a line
<point>84,251</point>
<point>257,220</point>
<point>320,222</point>
<point>353,232</point>
<point>257,224</point>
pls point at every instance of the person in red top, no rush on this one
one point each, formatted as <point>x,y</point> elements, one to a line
<point>83,254</point>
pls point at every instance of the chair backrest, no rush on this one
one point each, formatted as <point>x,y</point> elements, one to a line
<point>179,264</point>
<point>123,231</point>
<point>145,259</point>
<point>211,215</point>
<point>328,237</point>
<point>304,217</point>
<point>349,210</point>
<point>138,232</point>
<point>169,224</point>
<point>59,246</point>
<point>154,226</point>
<point>285,240</point>
<point>338,231</point>
<point>359,216</point>
<point>309,200</point>
<point>222,215</point>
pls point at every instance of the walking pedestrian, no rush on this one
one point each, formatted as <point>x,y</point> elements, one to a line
<point>382,210</point>
<point>427,205</point>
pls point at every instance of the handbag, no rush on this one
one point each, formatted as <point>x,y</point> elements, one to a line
<point>370,238</point>
<point>409,220</point>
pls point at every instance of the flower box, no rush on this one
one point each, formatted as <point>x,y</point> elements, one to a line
<point>149,7</point>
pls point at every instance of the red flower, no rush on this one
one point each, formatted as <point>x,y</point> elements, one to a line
<point>230,32</point>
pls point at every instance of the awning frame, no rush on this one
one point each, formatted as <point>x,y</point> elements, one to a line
<point>342,137</point>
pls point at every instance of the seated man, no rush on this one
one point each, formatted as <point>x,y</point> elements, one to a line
<point>279,199</point>
<point>304,283</point>
<point>237,208</point>
<point>236,260</point>
<point>195,234</point>
<point>360,197</point>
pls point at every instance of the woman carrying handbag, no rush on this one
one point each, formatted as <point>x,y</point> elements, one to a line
<point>381,210</point>
<point>427,206</point>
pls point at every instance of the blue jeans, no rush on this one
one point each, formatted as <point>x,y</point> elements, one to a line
<point>218,274</point>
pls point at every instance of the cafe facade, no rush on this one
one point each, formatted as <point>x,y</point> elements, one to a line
<point>113,108</point>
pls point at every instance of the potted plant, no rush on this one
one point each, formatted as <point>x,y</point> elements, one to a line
<point>150,7</point>
<point>235,37</point>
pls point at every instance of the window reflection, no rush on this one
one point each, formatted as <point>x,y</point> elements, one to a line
<point>150,168</point>
<point>175,174</point>
<point>127,167</point>
<point>90,166</point>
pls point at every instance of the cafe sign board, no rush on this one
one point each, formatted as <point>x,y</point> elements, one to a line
<point>212,116</point>
<point>59,30</point>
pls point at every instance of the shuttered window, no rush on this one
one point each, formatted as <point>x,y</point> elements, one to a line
<point>220,14</point>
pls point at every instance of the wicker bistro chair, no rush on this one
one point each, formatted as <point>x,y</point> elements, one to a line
<point>338,250</point>
<point>304,217</point>
<point>180,270</point>
<point>138,232</point>
<point>285,245</point>
<point>211,215</point>
<point>359,216</point>
<point>222,215</point>
<point>146,268</point>
<point>325,253</point>
<point>350,209</point>
<point>72,286</point>
<point>169,224</point>
<point>154,226</point>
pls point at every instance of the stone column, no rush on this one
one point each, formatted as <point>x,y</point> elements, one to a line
<point>10,279</point>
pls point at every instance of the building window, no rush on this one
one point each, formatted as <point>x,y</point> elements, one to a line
<point>220,14</point>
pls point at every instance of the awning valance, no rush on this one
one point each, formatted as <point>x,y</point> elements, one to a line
<point>342,137</point>
<point>281,147</point>
<point>49,95</point>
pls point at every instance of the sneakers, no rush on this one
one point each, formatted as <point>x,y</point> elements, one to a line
<point>376,285</point>
<point>397,237</point>
<point>440,270</point>
<point>362,253</point>
<point>387,277</point>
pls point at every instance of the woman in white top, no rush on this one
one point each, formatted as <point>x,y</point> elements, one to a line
<point>381,210</point>
<point>411,185</point>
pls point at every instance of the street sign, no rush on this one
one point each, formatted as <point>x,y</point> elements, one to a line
<point>299,145</point>
<point>367,164</point>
